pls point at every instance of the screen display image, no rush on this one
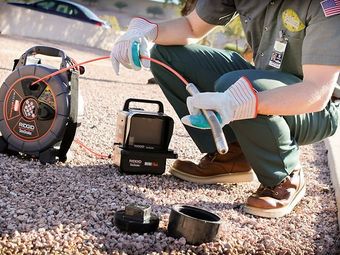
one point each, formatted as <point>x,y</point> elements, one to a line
<point>146,131</point>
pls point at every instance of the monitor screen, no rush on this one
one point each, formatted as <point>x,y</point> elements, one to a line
<point>146,131</point>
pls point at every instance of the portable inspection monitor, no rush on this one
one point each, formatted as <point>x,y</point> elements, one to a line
<point>142,139</point>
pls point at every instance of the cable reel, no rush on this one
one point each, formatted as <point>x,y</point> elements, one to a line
<point>39,119</point>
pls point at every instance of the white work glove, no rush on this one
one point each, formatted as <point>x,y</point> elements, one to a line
<point>140,30</point>
<point>238,102</point>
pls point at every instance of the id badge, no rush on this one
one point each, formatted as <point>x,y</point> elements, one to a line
<point>278,53</point>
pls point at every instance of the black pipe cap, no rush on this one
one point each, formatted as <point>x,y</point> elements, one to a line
<point>136,219</point>
<point>196,225</point>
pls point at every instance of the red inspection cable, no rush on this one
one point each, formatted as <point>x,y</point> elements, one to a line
<point>96,154</point>
<point>107,57</point>
<point>81,144</point>
<point>68,68</point>
<point>168,68</point>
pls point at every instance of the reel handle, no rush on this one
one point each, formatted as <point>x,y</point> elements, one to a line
<point>216,128</point>
<point>44,50</point>
<point>128,101</point>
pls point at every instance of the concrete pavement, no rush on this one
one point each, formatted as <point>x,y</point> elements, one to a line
<point>333,148</point>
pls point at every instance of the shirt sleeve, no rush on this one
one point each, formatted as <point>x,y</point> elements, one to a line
<point>321,45</point>
<point>215,12</point>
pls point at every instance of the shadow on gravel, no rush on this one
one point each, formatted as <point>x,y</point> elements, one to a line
<point>5,69</point>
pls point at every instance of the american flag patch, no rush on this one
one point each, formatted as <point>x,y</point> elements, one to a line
<point>330,7</point>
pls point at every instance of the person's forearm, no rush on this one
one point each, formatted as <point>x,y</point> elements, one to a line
<point>310,95</point>
<point>175,32</point>
<point>293,99</point>
<point>183,30</point>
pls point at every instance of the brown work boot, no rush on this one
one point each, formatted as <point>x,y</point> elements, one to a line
<point>216,168</point>
<point>280,200</point>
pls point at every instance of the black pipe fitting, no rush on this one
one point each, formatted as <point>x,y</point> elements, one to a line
<point>136,219</point>
<point>196,225</point>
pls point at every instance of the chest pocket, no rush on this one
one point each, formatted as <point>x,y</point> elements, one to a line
<point>293,25</point>
<point>292,58</point>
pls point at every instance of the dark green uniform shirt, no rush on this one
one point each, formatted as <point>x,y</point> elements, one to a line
<point>310,36</point>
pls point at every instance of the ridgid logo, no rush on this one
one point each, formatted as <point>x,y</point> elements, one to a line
<point>135,162</point>
<point>26,126</point>
<point>25,129</point>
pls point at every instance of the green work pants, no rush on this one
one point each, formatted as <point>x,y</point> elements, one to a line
<point>269,143</point>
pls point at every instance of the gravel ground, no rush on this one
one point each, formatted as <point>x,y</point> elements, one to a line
<point>68,208</point>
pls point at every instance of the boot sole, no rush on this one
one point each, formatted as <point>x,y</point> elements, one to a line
<point>248,176</point>
<point>279,212</point>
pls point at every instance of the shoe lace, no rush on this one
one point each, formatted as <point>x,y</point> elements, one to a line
<point>274,191</point>
<point>269,191</point>
<point>212,156</point>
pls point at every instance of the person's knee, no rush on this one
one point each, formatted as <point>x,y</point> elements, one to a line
<point>260,79</point>
<point>157,52</point>
<point>228,79</point>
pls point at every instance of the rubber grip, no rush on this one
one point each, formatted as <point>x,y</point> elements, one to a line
<point>135,54</point>
<point>216,128</point>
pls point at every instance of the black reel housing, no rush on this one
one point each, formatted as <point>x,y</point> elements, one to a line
<point>39,120</point>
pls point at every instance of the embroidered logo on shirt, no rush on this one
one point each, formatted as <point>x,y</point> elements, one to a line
<point>330,7</point>
<point>291,21</point>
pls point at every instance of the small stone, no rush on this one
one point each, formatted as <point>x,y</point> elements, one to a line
<point>22,217</point>
<point>325,189</point>
<point>94,215</point>
<point>21,211</point>
<point>41,230</point>
<point>140,238</point>
<point>11,227</point>
<point>182,241</point>
<point>139,246</point>
<point>13,194</point>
